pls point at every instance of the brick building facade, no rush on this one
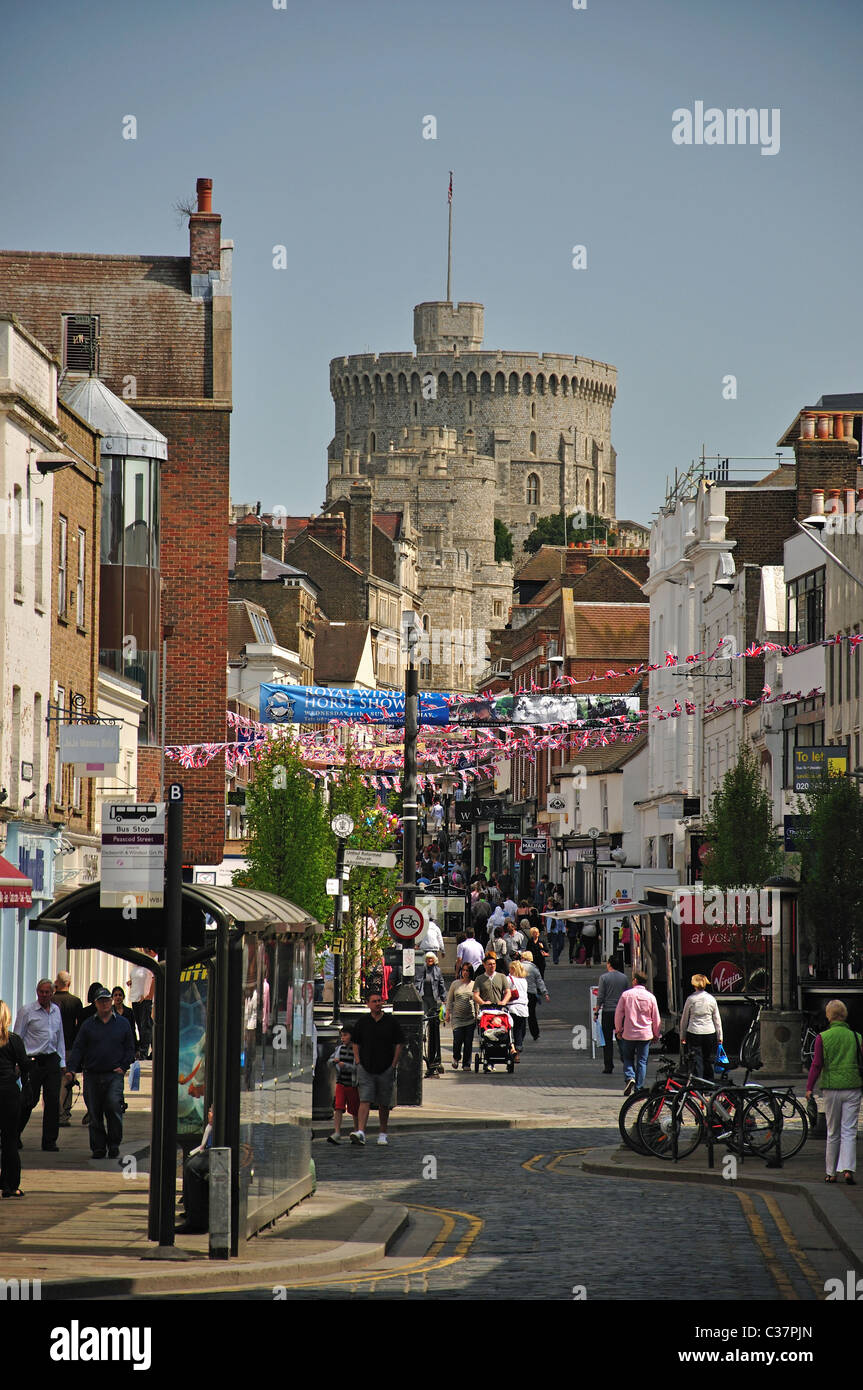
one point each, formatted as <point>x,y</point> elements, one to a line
<point>157,331</point>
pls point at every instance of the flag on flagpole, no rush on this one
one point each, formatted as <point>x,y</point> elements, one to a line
<point>449,198</point>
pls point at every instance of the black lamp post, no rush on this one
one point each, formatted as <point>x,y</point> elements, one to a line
<point>447,786</point>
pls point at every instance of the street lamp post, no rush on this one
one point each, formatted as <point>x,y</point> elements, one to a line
<point>342,825</point>
<point>447,786</point>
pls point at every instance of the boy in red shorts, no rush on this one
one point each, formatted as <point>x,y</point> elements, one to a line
<point>347,1094</point>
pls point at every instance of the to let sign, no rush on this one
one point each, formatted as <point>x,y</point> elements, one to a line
<point>811,764</point>
<point>133,854</point>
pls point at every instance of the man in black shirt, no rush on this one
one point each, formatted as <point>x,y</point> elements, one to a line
<point>378,1045</point>
<point>71,1009</point>
<point>105,1049</point>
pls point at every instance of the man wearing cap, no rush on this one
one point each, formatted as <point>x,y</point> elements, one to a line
<point>432,991</point>
<point>40,1028</point>
<point>104,1049</point>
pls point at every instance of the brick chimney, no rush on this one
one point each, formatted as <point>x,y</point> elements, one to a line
<point>205,232</point>
<point>826,464</point>
<point>274,542</point>
<point>250,532</point>
<point>331,531</point>
<point>360,527</point>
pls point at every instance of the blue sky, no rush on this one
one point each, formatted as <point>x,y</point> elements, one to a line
<point>702,260</point>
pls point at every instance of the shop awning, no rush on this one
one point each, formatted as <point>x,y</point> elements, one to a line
<point>593,914</point>
<point>16,889</point>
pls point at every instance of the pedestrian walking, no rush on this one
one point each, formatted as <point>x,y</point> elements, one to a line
<point>490,986</point>
<point>518,1005</point>
<point>122,1010</point>
<point>470,950</point>
<point>536,992</point>
<point>142,987</point>
<point>701,1027</point>
<point>71,1012</point>
<point>14,1067</point>
<point>537,944</point>
<point>378,1045</point>
<point>591,942</point>
<point>557,938</point>
<point>636,1021</point>
<point>838,1062</point>
<point>432,991</point>
<point>40,1028</point>
<point>461,1013</point>
<point>347,1096</point>
<point>104,1050</point>
<point>431,939</point>
<point>573,936</point>
<point>611,986</point>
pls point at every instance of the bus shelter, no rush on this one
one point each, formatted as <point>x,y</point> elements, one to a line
<point>246,1032</point>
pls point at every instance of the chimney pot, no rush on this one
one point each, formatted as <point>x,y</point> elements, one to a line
<point>204,188</point>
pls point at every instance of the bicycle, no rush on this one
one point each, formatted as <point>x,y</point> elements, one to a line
<point>748,1117</point>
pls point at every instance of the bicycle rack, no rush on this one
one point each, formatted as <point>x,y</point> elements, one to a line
<point>736,1141</point>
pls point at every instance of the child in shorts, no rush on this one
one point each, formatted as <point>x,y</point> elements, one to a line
<point>347,1095</point>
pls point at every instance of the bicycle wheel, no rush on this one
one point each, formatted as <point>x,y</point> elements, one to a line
<point>627,1122</point>
<point>658,1119</point>
<point>767,1115</point>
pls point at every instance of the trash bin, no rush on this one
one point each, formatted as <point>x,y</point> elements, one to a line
<point>324,1081</point>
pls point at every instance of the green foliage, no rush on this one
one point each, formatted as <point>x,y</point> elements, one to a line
<point>831,893</point>
<point>744,849</point>
<point>580,526</point>
<point>290,842</point>
<point>502,541</point>
<point>371,892</point>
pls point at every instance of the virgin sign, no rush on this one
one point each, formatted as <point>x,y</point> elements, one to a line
<point>725,977</point>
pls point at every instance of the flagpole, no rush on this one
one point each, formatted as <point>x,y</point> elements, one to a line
<point>449,247</point>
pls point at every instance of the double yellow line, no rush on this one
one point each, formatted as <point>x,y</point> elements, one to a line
<point>769,1255</point>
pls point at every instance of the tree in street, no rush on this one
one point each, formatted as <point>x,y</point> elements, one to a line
<point>831,892</point>
<point>744,849</point>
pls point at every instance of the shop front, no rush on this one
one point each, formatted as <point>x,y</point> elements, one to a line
<point>24,957</point>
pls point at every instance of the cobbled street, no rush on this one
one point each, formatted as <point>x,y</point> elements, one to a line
<point>510,1213</point>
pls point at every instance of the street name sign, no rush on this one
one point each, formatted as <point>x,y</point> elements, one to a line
<point>132,870</point>
<point>370,858</point>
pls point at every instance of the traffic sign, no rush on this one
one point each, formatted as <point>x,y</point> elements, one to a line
<point>370,858</point>
<point>405,923</point>
<point>342,824</point>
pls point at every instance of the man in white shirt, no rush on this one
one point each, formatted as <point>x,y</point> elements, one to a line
<point>432,939</point>
<point>510,909</point>
<point>471,951</point>
<point>142,986</point>
<point>40,1028</point>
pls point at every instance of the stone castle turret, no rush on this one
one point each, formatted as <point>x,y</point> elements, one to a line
<point>464,436</point>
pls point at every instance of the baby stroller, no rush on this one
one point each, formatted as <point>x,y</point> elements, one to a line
<point>494,1039</point>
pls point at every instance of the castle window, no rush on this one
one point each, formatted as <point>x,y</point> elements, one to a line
<point>470,407</point>
<point>373,443</point>
<point>425,670</point>
<point>500,383</point>
<point>604,503</point>
<point>532,519</point>
<point>595,454</point>
<point>552,384</point>
<point>533,483</point>
<point>425,622</point>
<point>513,383</point>
<point>533,441</point>
<point>471,383</point>
<point>416,410</point>
<point>533,410</point>
<point>461,674</point>
<point>372,411</point>
<point>587,493</point>
<point>497,608</point>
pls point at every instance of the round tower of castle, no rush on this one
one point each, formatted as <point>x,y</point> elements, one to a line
<point>543,420</point>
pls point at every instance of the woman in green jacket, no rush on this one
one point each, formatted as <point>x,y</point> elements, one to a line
<point>836,1060</point>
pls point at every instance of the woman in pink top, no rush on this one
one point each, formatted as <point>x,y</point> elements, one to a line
<point>636,1022</point>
